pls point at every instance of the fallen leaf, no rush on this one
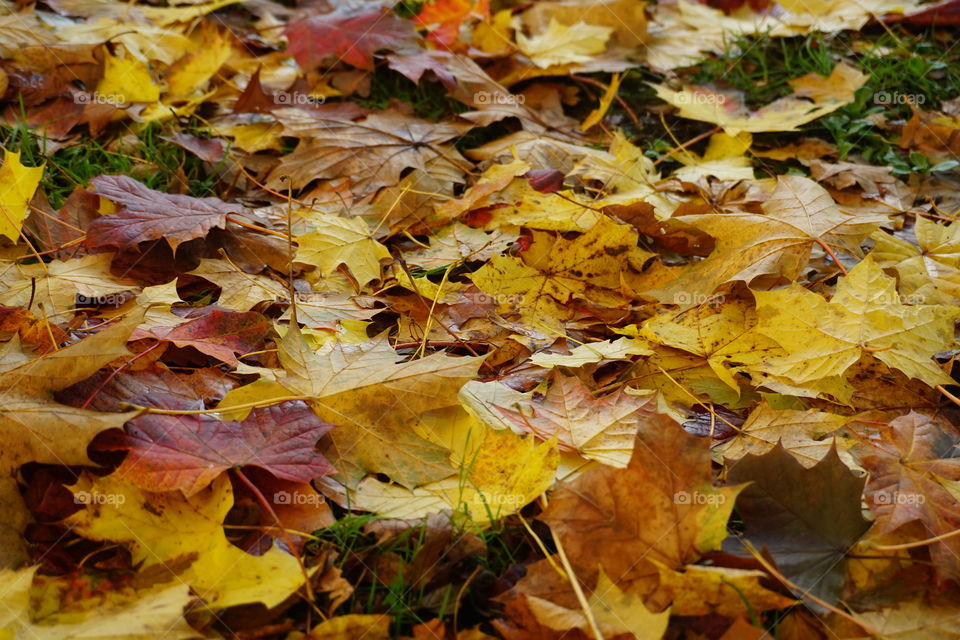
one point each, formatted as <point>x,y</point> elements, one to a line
<point>700,591</point>
<point>562,44</point>
<point>19,184</point>
<point>826,95</point>
<point>187,452</point>
<point>804,434</point>
<point>150,215</point>
<point>864,316</point>
<point>799,214</point>
<point>157,613</point>
<point>33,428</point>
<point>219,334</point>
<point>373,153</point>
<point>678,515</point>
<point>910,467</point>
<point>354,39</point>
<point>807,519</point>
<point>342,241</point>
<point>161,527</point>
<point>373,397</point>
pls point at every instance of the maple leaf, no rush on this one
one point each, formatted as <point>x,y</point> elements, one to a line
<point>18,186</point>
<point>62,284</point>
<point>127,79</point>
<point>493,473</point>
<point>864,316</point>
<point>678,515</point>
<point>442,18</point>
<point>156,612</point>
<point>218,334</point>
<point>911,473</point>
<point>806,518</point>
<point>187,452</point>
<point>702,590</point>
<point>354,39</point>
<point>373,398</point>
<point>33,428</point>
<point>160,528</point>
<point>798,214</point>
<point>562,44</point>
<point>930,270</point>
<point>111,390</point>
<point>602,429</point>
<point>826,95</point>
<point>239,290</point>
<point>373,152</point>
<point>802,433</point>
<point>555,271</point>
<point>342,241</point>
<point>147,214</point>
<point>721,334</point>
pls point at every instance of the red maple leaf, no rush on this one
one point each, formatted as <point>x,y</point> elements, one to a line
<point>219,334</point>
<point>353,40</point>
<point>186,452</point>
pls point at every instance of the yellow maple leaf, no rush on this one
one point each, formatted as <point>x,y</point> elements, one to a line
<point>194,70</point>
<point>163,527</point>
<point>824,339</point>
<point>342,241</point>
<point>699,591</point>
<point>826,94</point>
<point>562,44</point>
<point>18,183</point>
<point>126,79</point>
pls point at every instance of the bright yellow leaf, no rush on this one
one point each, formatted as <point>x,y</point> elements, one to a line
<point>18,183</point>
<point>126,79</point>
<point>561,44</point>
<point>164,527</point>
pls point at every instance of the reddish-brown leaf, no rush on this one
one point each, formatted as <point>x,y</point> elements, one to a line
<point>353,40</point>
<point>109,390</point>
<point>187,452</point>
<point>149,215</point>
<point>210,150</point>
<point>219,334</point>
<point>911,472</point>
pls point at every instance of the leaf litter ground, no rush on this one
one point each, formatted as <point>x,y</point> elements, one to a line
<point>471,319</point>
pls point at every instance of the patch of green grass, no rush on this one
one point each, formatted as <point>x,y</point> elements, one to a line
<point>428,99</point>
<point>158,163</point>
<point>408,8</point>
<point>903,70</point>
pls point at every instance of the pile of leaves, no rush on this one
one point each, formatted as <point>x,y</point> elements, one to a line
<point>351,320</point>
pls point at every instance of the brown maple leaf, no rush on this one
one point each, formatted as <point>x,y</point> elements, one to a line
<point>147,214</point>
<point>373,152</point>
<point>912,478</point>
